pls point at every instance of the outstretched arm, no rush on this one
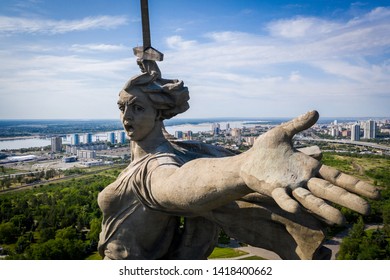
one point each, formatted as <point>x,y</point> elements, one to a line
<point>199,185</point>
<point>271,167</point>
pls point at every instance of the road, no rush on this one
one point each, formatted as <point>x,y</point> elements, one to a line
<point>359,143</point>
<point>26,186</point>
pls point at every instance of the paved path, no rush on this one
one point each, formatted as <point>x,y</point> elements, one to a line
<point>254,251</point>
<point>333,244</point>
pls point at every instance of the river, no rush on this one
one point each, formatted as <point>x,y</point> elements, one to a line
<point>102,136</point>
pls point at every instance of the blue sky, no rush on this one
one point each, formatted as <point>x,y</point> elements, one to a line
<point>69,59</point>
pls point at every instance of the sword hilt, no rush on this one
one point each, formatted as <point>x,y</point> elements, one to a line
<point>147,51</point>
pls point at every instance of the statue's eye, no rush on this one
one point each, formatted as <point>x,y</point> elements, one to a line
<point>138,108</point>
<point>121,107</point>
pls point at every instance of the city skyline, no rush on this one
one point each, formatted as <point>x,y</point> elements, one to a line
<point>238,58</point>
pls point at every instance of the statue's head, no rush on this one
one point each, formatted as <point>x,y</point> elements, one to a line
<point>168,97</point>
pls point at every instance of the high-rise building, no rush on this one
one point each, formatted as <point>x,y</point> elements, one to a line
<point>121,137</point>
<point>369,129</point>
<point>111,137</point>
<point>334,132</point>
<point>179,134</point>
<point>355,132</point>
<point>87,138</point>
<point>236,132</point>
<point>216,128</point>
<point>56,144</point>
<point>75,139</point>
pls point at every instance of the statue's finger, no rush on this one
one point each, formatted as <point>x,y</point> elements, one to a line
<point>300,123</point>
<point>318,206</point>
<point>284,201</point>
<point>312,151</point>
<point>348,182</point>
<point>330,192</point>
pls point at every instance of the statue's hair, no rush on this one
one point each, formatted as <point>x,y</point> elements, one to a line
<point>170,97</point>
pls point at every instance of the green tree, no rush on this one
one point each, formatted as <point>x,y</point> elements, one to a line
<point>60,248</point>
<point>365,245</point>
<point>46,234</point>
<point>22,244</point>
<point>95,229</point>
<point>8,233</point>
<point>357,230</point>
<point>67,233</point>
<point>20,221</point>
<point>349,248</point>
<point>386,218</point>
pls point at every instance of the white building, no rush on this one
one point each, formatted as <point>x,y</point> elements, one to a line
<point>22,158</point>
<point>249,141</point>
<point>87,138</point>
<point>72,150</point>
<point>121,137</point>
<point>369,129</point>
<point>236,132</point>
<point>86,154</point>
<point>334,132</point>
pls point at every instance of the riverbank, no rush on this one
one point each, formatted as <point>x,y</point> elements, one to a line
<point>21,137</point>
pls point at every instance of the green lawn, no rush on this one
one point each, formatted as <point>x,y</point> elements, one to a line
<point>7,171</point>
<point>253,258</point>
<point>94,257</point>
<point>225,253</point>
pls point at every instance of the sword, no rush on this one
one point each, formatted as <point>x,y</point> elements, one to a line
<point>147,52</point>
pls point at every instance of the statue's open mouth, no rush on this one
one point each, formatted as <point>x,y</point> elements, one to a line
<point>129,128</point>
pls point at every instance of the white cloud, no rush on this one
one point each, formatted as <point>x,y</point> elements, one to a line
<point>301,27</point>
<point>332,61</point>
<point>376,14</point>
<point>48,26</point>
<point>246,74</point>
<point>237,49</point>
<point>97,48</point>
<point>295,77</point>
<point>177,42</point>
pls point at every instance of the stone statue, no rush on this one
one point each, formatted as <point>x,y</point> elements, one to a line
<point>173,198</point>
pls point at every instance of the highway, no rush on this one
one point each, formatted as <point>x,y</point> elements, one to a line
<point>349,142</point>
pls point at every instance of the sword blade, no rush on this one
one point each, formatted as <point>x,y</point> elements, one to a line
<point>147,51</point>
<point>145,24</point>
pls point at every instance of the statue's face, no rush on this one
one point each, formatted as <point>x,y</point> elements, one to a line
<point>137,114</point>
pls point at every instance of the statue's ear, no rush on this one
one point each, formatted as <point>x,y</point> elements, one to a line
<point>159,115</point>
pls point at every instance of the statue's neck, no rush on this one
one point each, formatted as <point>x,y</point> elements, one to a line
<point>151,144</point>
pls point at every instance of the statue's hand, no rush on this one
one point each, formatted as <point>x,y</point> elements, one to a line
<point>293,179</point>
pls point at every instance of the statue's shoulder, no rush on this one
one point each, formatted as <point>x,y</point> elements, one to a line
<point>195,149</point>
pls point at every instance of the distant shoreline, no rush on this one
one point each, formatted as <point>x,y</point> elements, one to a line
<point>19,138</point>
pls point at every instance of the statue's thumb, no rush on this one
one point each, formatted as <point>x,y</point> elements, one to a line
<point>301,123</point>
